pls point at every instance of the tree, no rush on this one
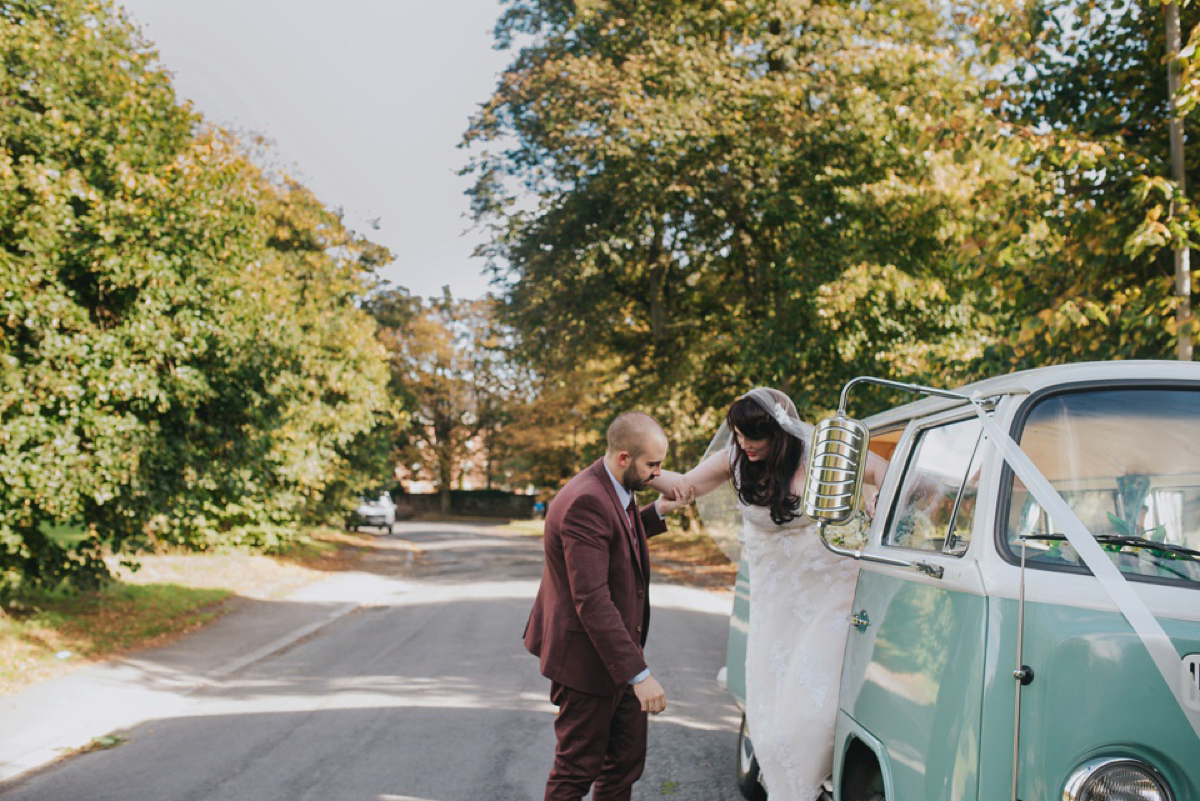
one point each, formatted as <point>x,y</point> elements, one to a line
<point>86,347</point>
<point>558,425</point>
<point>181,357</point>
<point>449,371</point>
<point>1088,95</point>
<point>295,388</point>
<point>709,195</point>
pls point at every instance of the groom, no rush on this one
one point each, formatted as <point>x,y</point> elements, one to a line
<point>589,622</point>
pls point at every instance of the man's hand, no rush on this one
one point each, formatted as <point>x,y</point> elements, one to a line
<point>675,498</point>
<point>651,694</point>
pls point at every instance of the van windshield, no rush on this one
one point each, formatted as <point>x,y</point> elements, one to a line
<point>1127,461</point>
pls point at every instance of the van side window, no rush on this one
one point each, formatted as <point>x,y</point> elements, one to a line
<point>935,507</point>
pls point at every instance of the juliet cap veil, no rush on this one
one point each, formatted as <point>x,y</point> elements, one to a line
<point>782,410</point>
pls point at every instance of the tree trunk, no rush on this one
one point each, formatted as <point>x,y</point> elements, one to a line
<point>658,262</point>
<point>1183,269</point>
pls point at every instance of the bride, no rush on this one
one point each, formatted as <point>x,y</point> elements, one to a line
<point>800,593</point>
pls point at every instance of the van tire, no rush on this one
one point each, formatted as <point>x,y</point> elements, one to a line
<point>747,767</point>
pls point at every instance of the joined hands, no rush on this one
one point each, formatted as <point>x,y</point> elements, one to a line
<point>675,498</point>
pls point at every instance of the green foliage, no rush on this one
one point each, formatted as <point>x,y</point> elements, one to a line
<point>705,196</point>
<point>1100,217</point>
<point>181,360</point>
<point>694,198</point>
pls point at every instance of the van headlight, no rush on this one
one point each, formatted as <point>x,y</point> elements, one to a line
<point>1116,779</point>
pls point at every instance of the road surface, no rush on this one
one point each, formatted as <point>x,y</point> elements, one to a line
<point>423,694</point>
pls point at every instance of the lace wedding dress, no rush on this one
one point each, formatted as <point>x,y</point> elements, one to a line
<point>800,599</point>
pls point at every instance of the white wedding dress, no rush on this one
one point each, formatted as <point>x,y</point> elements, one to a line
<point>800,599</point>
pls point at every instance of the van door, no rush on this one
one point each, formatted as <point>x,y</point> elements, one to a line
<point>1126,460</point>
<point>912,680</point>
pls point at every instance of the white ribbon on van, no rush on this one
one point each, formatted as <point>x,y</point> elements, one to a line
<point>1130,604</point>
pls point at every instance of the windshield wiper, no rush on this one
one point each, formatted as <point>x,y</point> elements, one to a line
<point>1142,542</point>
<point>1125,539</point>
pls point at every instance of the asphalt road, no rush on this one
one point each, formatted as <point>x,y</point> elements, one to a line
<point>426,694</point>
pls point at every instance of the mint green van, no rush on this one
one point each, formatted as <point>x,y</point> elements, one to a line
<point>991,654</point>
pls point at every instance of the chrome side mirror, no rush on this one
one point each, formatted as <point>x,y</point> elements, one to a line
<point>834,477</point>
<point>838,456</point>
<point>836,463</point>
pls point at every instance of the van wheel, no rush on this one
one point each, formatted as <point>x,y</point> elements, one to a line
<point>747,767</point>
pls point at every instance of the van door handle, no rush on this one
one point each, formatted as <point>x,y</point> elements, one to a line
<point>933,571</point>
<point>860,621</point>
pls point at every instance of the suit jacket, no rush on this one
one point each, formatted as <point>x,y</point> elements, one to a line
<point>592,612</point>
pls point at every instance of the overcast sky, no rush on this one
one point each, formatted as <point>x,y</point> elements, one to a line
<point>365,99</point>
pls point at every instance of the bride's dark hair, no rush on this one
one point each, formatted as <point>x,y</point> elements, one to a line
<point>766,481</point>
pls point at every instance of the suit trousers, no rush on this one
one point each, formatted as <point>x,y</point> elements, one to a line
<point>601,740</point>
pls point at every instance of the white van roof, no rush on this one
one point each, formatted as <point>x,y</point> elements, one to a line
<point>1029,381</point>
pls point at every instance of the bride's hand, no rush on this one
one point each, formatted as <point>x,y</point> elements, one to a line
<point>872,500</point>
<point>674,498</point>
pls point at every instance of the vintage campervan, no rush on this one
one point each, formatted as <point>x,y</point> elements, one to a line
<point>1026,623</point>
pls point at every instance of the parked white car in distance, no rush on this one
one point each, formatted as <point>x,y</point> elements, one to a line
<point>379,511</point>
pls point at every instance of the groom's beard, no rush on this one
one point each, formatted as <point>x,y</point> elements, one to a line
<point>631,481</point>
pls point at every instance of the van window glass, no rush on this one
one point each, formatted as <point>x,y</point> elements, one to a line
<point>1127,462</point>
<point>930,494</point>
<point>964,517</point>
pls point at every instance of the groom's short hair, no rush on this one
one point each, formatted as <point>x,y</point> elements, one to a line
<point>631,433</point>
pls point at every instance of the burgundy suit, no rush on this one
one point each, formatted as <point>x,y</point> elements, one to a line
<point>588,627</point>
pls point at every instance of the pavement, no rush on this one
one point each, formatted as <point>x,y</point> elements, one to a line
<point>54,718</point>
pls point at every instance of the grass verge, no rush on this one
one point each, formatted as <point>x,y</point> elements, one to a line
<point>52,634</point>
<point>169,595</point>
